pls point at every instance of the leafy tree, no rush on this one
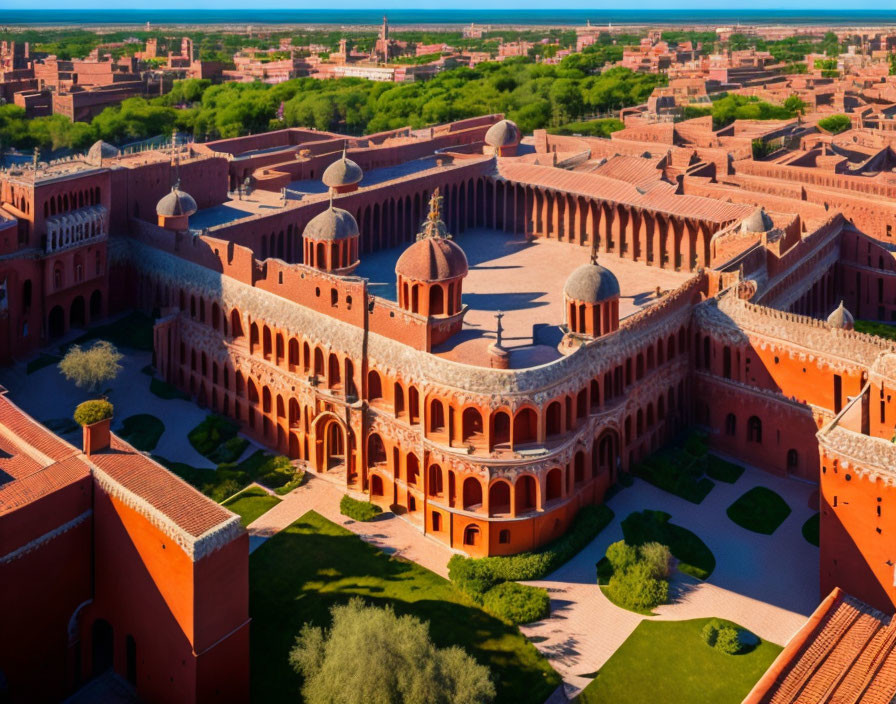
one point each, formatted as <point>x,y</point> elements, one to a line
<point>622,555</point>
<point>90,368</point>
<point>835,124</point>
<point>371,656</point>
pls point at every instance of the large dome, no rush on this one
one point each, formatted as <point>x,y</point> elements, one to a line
<point>432,259</point>
<point>503,134</point>
<point>841,318</point>
<point>342,172</point>
<point>591,283</point>
<point>100,150</point>
<point>176,203</point>
<point>331,224</point>
<point>757,221</point>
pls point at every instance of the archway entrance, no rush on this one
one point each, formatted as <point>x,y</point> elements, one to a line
<point>56,322</point>
<point>607,452</point>
<point>78,314</point>
<point>331,444</point>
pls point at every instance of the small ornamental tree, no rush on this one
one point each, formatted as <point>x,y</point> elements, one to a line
<point>91,412</point>
<point>369,654</point>
<point>91,367</point>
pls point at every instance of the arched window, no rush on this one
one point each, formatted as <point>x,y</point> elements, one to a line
<point>472,494</point>
<point>793,460</point>
<point>754,430</point>
<point>730,424</point>
<point>471,535</point>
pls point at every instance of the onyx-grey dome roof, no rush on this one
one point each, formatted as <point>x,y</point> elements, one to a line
<point>503,134</point>
<point>841,318</point>
<point>331,224</point>
<point>342,172</point>
<point>591,283</point>
<point>757,221</point>
<point>176,203</point>
<point>102,150</point>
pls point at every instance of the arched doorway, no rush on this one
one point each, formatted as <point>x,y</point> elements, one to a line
<point>96,306</point>
<point>331,443</point>
<point>102,638</point>
<point>78,313</point>
<point>56,322</point>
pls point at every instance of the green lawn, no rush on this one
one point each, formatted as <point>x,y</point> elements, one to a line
<point>670,658</point>
<point>143,431</point>
<point>694,557</point>
<point>133,330</point>
<point>760,510</point>
<point>677,471</point>
<point>722,471</point>
<point>297,575</point>
<point>251,503</point>
<point>167,391</point>
<point>810,529</point>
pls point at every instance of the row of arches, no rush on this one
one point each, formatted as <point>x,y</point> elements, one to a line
<point>79,314</point>
<point>65,202</point>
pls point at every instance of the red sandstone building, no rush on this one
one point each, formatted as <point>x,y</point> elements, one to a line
<point>112,562</point>
<point>266,261</point>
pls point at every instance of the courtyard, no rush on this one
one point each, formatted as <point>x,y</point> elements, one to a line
<point>306,555</point>
<point>524,280</point>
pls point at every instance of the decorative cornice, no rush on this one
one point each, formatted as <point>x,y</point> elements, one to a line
<point>45,538</point>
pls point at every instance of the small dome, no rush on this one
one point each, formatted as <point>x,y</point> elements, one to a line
<point>176,203</point>
<point>503,134</point>
<point>591,283</point>
<point>102,150</point>
<point>757,221</point>
<point>342,172</point>
<point>331,224</point>
<point>841,318</point>
<point>432,259</point>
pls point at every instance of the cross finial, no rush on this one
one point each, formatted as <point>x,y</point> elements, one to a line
<point>499,332</point>
<point>433,225</point>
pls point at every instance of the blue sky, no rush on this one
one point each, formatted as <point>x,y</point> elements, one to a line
<point>453,5</point>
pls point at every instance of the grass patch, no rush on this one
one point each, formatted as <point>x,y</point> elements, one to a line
<point>723,471</point>
<point>143,431</point>
<point>810,529</point>
<point>167,391</point>
<point>294,483</point>
<point>42,360</point>
<point>871,327</point>
<point>273,471</point>
<point>296,576</point>
<point>680,665</point>
<point>760,510</point>
<point>358,510</point>
<point>133,331</point>
<point>251,503</point>
<point>229,450</point>
<point>211,433</point>
<point>679,469</point>
<point>694,558</point>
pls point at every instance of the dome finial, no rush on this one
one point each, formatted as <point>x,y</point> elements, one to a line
<point>433,225</point>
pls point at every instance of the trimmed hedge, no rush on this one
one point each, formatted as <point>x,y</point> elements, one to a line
<point>91,412</point>
<point>693,555</point>
<point>722,471</point>
<point>143,431</point>
<point>760,510</point>
<point>677,471</point>
<point>517,603</point>
<point>477,575</point>
<point>358,510</point>
<point>229,451</point>
<point>637,588</point>
<point>293,483</point>
<point>811,529</point>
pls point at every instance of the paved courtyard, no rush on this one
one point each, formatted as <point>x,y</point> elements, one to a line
<point>523,279</point>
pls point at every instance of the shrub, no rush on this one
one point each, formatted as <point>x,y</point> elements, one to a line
<point>696,444</point>
<point>658,559</point>
<point>621,555</point>
<point>293,483</point>
<point>167,391</point>
<point>637,589</point>
<point>694,557</point>
<point>722,636</point>
<point>517,603</point>
<point>835,123</point>
<point>143,431</point>
<point>276,471</point>
<point>91,412</point>
<point>589,521</point>
<point>230,450</point>
<point>722,471</point>
<point>358,510</point>
<point>210,433</point>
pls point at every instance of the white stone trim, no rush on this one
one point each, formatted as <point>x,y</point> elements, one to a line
<point>45,538</point>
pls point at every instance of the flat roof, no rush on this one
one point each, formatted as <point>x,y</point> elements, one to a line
<point>524,280</point>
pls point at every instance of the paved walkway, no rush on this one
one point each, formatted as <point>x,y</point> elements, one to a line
<point>391,534</point>
<point>768,584</point>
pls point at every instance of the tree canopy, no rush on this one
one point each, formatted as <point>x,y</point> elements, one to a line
<point>88,368</point>
<point>372,656</point>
